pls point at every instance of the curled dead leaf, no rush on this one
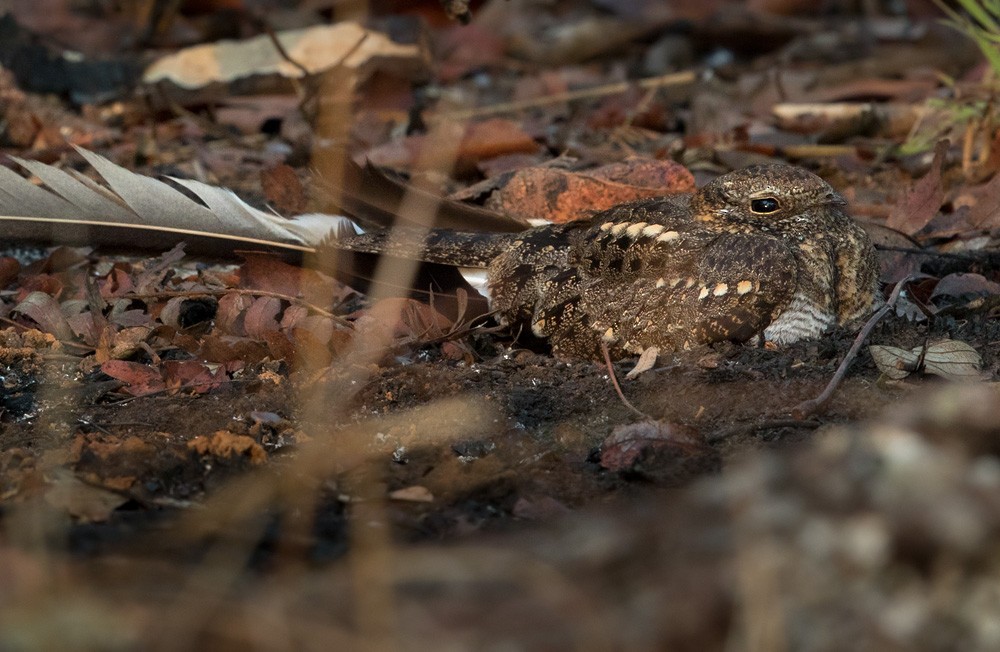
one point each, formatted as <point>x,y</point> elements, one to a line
<point>647,359</point>
<point>948,359</point>
<point>45,311</point>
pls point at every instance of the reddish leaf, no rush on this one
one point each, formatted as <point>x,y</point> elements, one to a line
<point>230,315</point>
<point>466,48</point>
<point>279,345</point>
<point>560,196</point>
<point>923,200</point>
<point>628,444</point>
<point>227,348</point>
<point>283,189</point>
<point>46,283</point>
<point>192,375</point>
<point>667,176</point>
<point>117,283</point>
<point>270,274</point>
<point>261,317</point>
<point>139,379</point>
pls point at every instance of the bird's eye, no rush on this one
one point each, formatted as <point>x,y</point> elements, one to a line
<point>764,205</point>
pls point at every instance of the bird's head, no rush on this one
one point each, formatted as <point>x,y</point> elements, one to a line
<point>768,197</point>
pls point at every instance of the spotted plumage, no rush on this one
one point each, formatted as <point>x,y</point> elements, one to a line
<point>767,250</point>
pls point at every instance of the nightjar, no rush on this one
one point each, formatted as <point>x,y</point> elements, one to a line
<point>767,251</point>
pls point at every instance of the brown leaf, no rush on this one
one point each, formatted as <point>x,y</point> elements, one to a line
<point>647,173</point>
<point>82,501</point>
<point>127,341</point>
<point>923,199</point>
<point>85,327</point>
<point>46,283</point>
<point>539,508</point>
<point>269,273</point>
<point>139,379</point>
<point>283,189</point>
<point>45,311</point>
<point>399,318</point>
<point>192,375</point>
<point>226,348</point>
<point>261,317</point>
<point>9,269</point>
<point>980,205</point>
<point>151,279</point>
<point>318,48</point>
<point>560,196</point>
<point>893,362</point>
<point>230,315</point>
<point>958,285</point>
<point>627,444</point>
<point>467,48</point>
<point>117,283</point>
<point>281,347</point>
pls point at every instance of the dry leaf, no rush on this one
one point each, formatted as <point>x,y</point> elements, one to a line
<point>646,361</point>
<point>923,200</point>
<point>560,196</point>
<point>283,189</point>
<point>949,359</point>
<point>893,362</point>
<point>626,444</point>
<point>46,312</point>
<point>413,494</point>
<point>82,501</point>
<point>953,360</point>
<point>139,379</point>
<point>314,49</point>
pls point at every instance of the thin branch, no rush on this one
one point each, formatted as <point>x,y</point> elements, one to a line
<point>806,408</point>
<point>614,381</point>
<point>672,79</point>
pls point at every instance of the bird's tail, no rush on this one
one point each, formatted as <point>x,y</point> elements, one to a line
<point>136,211</point>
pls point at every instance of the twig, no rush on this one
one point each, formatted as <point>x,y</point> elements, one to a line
<point>614,381</point>
<point>672,79</point>
<point>766,424</point>
<point>806,408</point>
